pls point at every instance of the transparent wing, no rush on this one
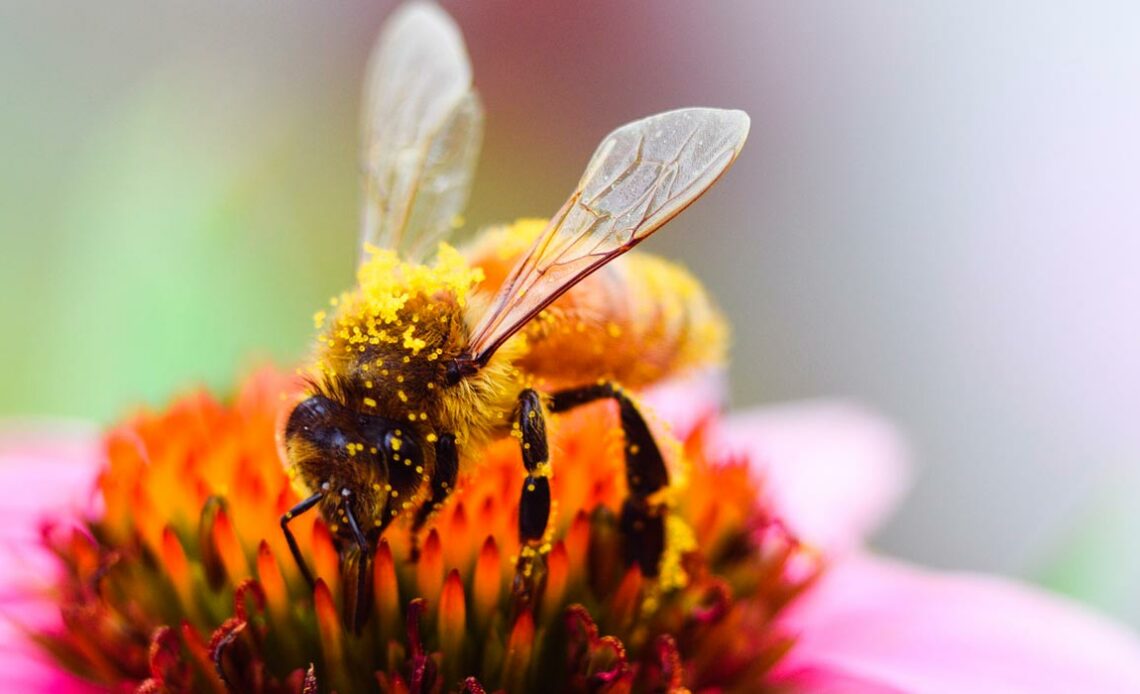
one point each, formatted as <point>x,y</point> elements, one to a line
<point>422,126</point>
<point>641,176</point>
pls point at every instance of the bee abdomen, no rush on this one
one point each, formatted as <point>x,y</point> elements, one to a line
<point>635,321</point>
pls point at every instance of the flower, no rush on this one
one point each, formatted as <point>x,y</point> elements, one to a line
<point>172,573</point>
<point>182,579</point>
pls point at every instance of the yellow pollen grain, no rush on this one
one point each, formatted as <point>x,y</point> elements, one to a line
<point>431,438</point>
<point>412,342</point>
<point>402,395</point>
<point>369,402</point>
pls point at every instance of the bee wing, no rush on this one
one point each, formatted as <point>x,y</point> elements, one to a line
<point>422,126</point>
<point>641,176</point>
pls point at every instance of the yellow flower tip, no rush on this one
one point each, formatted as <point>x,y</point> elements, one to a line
<point>452,622</point>
<point>519,646</point>
<point>429,569</point>
<point>488,579</point>
<point>386,591</point>
<point>328,623</point>
<point>271,580</point>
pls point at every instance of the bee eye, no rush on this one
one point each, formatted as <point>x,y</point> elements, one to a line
<point>307,415</point>
<point>401,447</point>
<point>314,420</point>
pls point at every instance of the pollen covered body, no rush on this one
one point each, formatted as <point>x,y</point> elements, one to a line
<point>635,321</point>
<point>380,365</point>
<point>382,356</point>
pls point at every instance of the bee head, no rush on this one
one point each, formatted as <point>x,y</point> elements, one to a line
<point>367,467</point>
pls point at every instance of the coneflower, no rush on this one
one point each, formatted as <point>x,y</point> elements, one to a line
<point>183,581</point>
<point>176,578</point>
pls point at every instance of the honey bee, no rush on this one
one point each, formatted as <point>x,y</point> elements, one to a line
<point>422,364</point>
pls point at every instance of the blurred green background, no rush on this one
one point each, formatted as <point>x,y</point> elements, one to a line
<point>935,214</point>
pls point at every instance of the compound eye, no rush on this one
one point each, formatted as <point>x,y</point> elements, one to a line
<point>401,448</point>
<point>315,420</point>
<point>405,463</point>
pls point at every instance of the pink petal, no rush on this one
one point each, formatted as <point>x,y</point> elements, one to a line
<point>821,680</point>
<point>687,401</point>
<point>46,471</point>
<point>872,620</point>
<point>831,469</point>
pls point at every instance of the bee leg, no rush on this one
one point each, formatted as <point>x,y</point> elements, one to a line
<point>292,513</point>
<point>642,520</point>
<point>358,593</point>
<point>534,502</point>
<point>443,477</point>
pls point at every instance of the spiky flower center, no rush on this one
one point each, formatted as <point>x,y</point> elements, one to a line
<point>182,582</point>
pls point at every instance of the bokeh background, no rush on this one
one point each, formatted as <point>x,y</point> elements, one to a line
<point>936,214</point>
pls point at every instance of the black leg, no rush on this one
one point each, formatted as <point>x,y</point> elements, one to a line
<point>642,520</point>
<point>358,564</point>
<point>356,534</point>
<point>443,478</point>
<point>534,501</point>
<point>290,515</point>
<point>534,504</point>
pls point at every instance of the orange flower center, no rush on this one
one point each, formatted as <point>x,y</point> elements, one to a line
<point>184,582</point>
